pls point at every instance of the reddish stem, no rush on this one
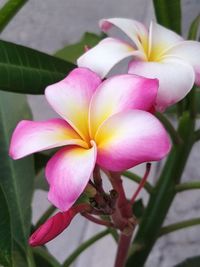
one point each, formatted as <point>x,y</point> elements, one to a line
<point>122,251</point>
<point>83,207</point>
<point>97,220</point>
<point>122,218</point>
<point>98,179</point>
<point>116,181</point>
<point>141,185</point>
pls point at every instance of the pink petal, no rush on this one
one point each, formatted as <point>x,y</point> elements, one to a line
<point>51,228</point>
<point>68,173</point>
<point>129,138</point>
<point>188,51</point>
<point>104,56</point>
<point>70,98</point>
<point>30,137</point>
<point>176,79</point>
<point>160,40</point>
<point>135,30</point>
<point>120,93</point>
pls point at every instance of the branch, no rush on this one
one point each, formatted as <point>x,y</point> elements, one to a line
<point>122,251</point>
<point>84,246</point>
<point>170,128</point>
<point>178,226</point>
<point>97,220</point>
<point>187,186</point>
<point>132,176</point>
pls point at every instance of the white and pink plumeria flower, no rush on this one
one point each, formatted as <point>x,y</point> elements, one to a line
<point>105,123</point>
<point>156,53</point>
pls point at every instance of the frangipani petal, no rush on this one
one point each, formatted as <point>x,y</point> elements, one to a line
<point>190,52</point>
<point>51,228</point>
<point>121,93</point>
<point>30,137</point>
<point>70,98</point>
<point>176,79</point>
<point>102,58</point>
<point>130,138</point>
<point>68,173</point>
<point>160,40</point>
<point>135,30</point>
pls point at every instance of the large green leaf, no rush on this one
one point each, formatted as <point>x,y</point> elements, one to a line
<point>190,262</point>
<point>40,181</point>
<point>44,259</point>
<point>16,177</point>
<point>138,208</point>
<point>168,13</point>
<point>5,232</point>
<point>25,70</point>
<point>72,52</point>
<point>194,28</point>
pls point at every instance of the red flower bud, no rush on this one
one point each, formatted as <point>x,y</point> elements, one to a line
<point>51,228</point>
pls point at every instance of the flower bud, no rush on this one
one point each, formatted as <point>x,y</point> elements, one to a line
<point>51,228</point>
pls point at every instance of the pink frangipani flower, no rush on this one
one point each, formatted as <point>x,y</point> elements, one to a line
<point>102,122</point>
<point>156,52</point>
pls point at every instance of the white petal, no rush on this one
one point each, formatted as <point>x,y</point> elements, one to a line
<point>135,30</point>
<point>176,79</point>
<point>104,56</point>
<point>160,40</point>
<point>189,51</point>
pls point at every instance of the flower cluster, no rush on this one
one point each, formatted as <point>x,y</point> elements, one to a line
<point>108,123</point>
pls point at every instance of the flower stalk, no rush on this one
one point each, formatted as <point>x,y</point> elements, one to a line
<point>134,177</point>
<point>143,181</point>
<point>123,219</point>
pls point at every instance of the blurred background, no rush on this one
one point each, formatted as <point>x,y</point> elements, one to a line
<point>49,25</point>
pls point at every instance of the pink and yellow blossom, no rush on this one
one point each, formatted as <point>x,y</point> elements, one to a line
<point>156,52</point>
<point>105,123</point>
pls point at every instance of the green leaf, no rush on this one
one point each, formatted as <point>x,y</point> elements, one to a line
<point>28,71</point>
<point>197,99</point>
<point>9,10</point>
<point>44,259</point>
<point>168,14</point>
<point>40,160</point>
<point>193,31</point>
<point>41,182</point>
<point>74,51</point>
<point>5,232</point>
<point>16,177</point>
<point>138,208</point>
<point>190,262</point>
<point>20,257</point>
